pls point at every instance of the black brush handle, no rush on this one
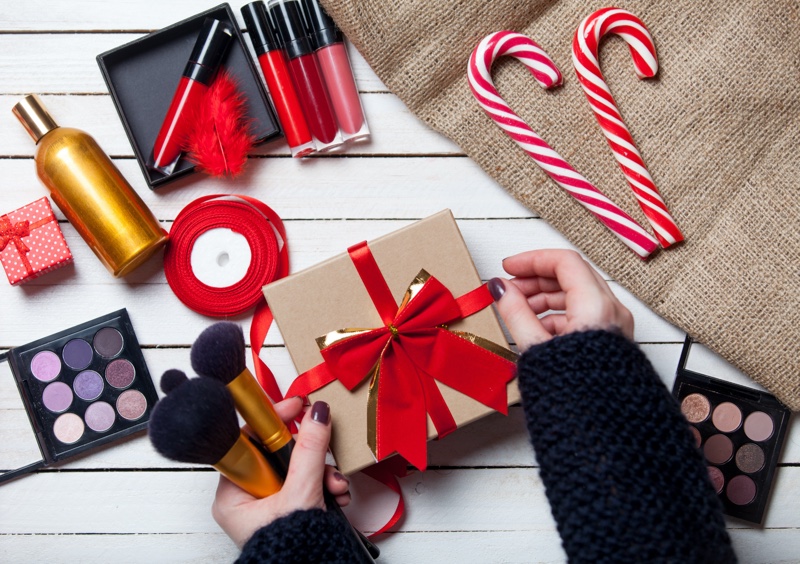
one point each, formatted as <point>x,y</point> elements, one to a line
<point>280,462</point>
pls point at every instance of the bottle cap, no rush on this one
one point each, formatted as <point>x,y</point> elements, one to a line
<point>321,28</point>
<point>258,26</point>
<point>33,116</point>
<point>210,48</point>
<point>288,18</point>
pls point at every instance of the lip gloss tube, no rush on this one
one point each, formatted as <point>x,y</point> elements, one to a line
<point>279,82</point>
<point>331,53</point>
<point>206,58</point>
<point>304,68</point>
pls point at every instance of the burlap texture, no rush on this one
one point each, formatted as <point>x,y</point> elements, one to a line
<point>717,127</point>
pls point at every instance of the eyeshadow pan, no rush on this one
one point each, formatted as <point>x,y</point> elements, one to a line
<point>696,408</point>
<point>88,385</point>
<point>68,428</point>
<point>100,416</point>
<point>57,397</point>
<point>77,354</point>
<point>120,373</point>
<point>741,490</point>
<point>131,404</point>
<point>108,342</point>
<point>758,426</point>
<point>750,458</point>
<point>718,449</point>
<point>46,366</point>
<point>727,417</point>
<point>717,478</point>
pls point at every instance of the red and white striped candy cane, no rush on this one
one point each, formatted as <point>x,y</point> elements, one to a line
<point>546,74</point>
<point>585,49</point>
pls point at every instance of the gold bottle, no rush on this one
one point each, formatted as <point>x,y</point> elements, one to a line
<point>91,192</point>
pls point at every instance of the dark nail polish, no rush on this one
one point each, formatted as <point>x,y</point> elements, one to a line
<point>321,412</point>
<point>341,477</point>
<point>496,288</point>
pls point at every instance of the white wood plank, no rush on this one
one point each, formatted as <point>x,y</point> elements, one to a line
<point>766,546</point>
<point>394,130</point>
<point>495,441</point>
<point>70,66</point>
<point>178,502</point>
<point>346,188</point>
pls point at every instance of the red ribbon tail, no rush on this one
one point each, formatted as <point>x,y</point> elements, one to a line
<point>387,472</point>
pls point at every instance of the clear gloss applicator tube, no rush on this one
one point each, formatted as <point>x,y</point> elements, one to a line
<point>331,52</point>
<point>206,58</point>
<point>287,16</point>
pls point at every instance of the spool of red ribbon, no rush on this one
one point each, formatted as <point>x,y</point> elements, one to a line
<point>244,215</point>
<point>261,227</point>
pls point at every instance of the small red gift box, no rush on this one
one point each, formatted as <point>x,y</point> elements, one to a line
<point>31,242</point>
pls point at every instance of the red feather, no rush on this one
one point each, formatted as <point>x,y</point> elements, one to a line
<point>219,137</point>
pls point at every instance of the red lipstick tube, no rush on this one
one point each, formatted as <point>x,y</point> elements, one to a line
<point>305,72</point>
<point>279,81</point>
<point>327,39</point>
<point>206,58</point>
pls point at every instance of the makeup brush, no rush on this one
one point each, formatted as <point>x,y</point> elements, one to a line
<point>171,379</point>
<point>196,422</point>
<point>219,353</point>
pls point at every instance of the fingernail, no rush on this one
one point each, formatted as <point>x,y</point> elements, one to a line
<point>496,288</point>
<point>341,477</point>
<point>321,412</point>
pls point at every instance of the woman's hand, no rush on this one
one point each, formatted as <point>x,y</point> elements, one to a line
<point>240,514</point>
<point>563,283</point>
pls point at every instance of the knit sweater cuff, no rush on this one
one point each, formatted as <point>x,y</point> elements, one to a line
<point>623,476</point>
<point>303,536</point>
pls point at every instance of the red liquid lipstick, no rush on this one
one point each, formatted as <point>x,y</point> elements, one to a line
<point>206,58</point>
<point>279,82</point>
<point>305,72</point>
<point>327,39</point>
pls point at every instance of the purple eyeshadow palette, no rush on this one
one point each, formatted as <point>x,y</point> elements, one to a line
<point>740,432</point>
<point>82,388</point>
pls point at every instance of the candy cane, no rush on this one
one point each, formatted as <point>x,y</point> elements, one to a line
<point>546,74</point>
<point>585,48</point>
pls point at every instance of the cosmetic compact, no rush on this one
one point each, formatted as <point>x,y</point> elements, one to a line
<point>740,431</point>
<point>82,388</point>
<point>142,77</point>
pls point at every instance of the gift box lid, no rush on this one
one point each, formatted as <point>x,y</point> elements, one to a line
<point>331,296</point>
<point>142,77</point>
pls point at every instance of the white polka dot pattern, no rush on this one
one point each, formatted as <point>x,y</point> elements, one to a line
<point>46,247</point>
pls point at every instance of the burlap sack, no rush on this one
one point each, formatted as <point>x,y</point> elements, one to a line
<point>718,129</point>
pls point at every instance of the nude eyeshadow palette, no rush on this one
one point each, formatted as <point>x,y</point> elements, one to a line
<point>740,431</point>
<point>82,388</point>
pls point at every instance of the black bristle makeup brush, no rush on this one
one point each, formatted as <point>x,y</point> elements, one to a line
<point>196,422</point>
<point>219,353</point>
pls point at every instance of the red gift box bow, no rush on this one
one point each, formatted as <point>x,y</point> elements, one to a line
<point>404,357</point>
<point>13,232</point>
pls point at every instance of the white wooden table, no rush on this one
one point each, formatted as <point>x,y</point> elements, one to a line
<point>481,500</point>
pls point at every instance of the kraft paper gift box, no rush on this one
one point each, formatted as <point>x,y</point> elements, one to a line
<point>332,295</point>
<point>31,242</point>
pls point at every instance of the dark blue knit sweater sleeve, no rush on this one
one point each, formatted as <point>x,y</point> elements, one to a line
<point>301,537</point>
<point>623,477</point>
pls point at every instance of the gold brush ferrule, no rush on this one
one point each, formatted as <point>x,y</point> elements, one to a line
<point>256,409</point>
<point>245,466</point>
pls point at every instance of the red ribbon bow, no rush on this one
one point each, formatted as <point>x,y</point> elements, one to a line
<point>13,233</point>
<point>406,357</point>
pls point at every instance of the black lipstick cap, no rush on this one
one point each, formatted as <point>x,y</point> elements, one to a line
<point>209,50</point>
<point>287,17</point>
<point>258,26</point>
<point>321,28</point>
